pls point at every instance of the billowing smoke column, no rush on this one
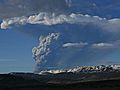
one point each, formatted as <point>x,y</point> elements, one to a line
<point>43,49</point>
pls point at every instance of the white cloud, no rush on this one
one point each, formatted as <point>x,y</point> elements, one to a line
<point>52,19</point>
<point>112,25</point>
<point>114,44</point>
<point>42,50</point>
<point>14,21</point>
<point>103,45</point>
<point>79,45</point>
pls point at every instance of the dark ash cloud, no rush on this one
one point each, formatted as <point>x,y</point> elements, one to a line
<point>17,8</point>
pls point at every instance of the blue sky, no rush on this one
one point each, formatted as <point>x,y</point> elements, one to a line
<point>89,33</point>
<point>15,51</point>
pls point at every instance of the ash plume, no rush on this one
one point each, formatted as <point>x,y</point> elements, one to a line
<point>43,49</point>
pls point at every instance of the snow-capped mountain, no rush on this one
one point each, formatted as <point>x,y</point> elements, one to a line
<point>85,69</point>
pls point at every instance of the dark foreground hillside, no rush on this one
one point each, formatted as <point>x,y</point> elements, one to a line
<point>81,81</point>
<point>97,85</point>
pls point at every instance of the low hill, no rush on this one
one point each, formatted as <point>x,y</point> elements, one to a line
<point>61,81</point>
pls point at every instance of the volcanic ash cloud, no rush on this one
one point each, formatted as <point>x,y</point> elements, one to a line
<point>43,49</point>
